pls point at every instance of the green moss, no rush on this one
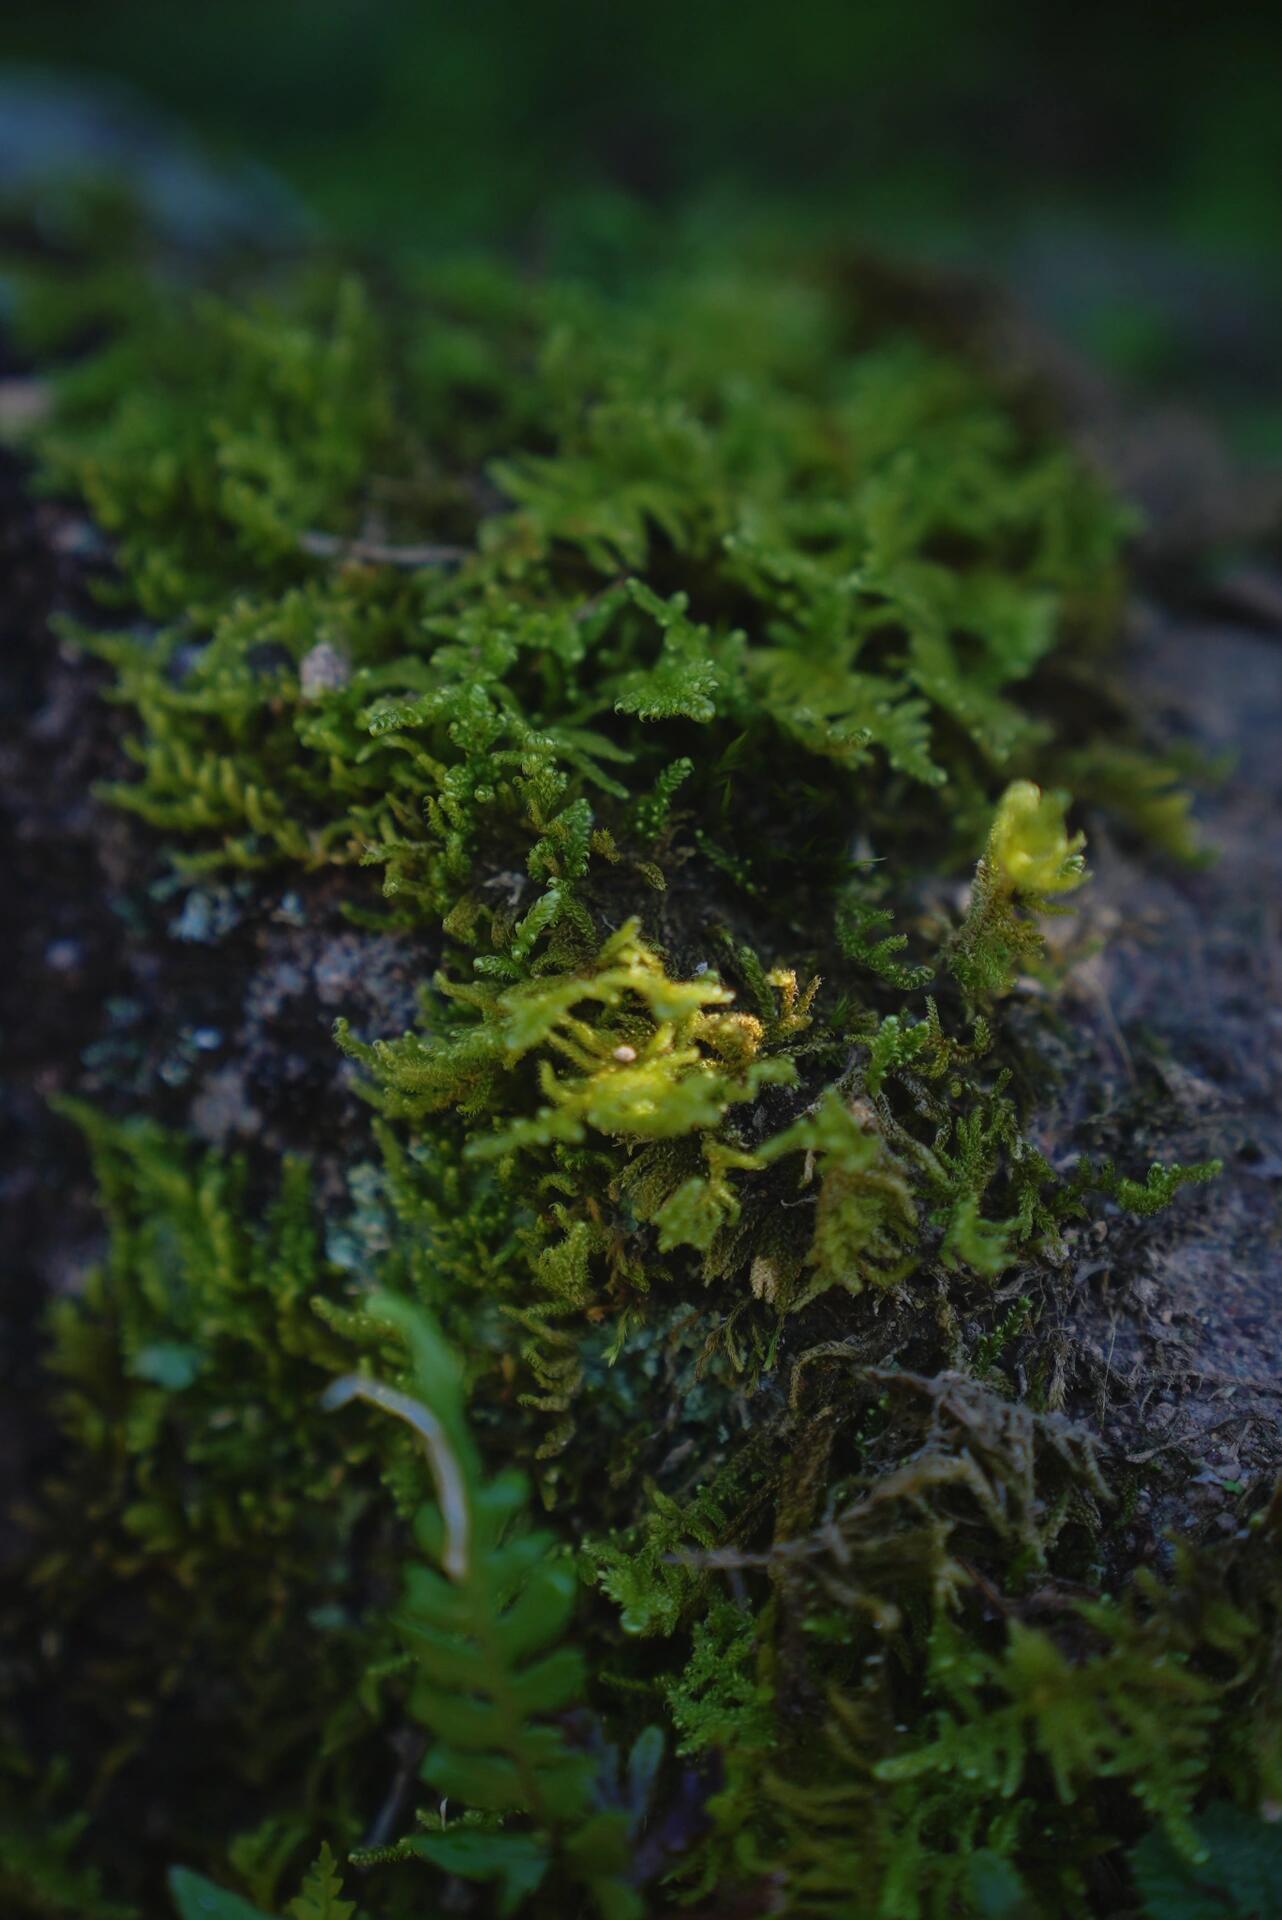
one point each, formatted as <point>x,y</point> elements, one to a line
<point>870,555</point>
<point>205,1556</point>
<point>662,654</point>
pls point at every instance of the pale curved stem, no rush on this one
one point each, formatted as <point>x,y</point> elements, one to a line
<point>451,1488</point>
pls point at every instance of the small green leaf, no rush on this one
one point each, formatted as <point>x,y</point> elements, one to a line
<point>1240,1877</point>
<point>199,1899</point>
<point>167,1363</point>
<point>996,1888</point>
<point>517,1861</point>
<point>321,1897</point>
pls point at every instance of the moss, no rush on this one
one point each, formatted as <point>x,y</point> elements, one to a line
<point>671,660</point>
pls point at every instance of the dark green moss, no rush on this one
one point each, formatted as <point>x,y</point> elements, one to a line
<point>672,659</point>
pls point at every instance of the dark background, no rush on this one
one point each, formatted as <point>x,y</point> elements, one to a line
<point>1120,166</point>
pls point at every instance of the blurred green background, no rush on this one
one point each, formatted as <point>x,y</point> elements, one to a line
<point>1119,165</point>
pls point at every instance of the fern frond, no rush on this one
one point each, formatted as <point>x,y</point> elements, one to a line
<point>486,1634</point>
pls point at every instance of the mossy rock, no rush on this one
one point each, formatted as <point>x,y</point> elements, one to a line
<point>648,720</point>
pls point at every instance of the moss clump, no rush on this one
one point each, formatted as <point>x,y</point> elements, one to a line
<point>714,526</point>
<point>670,659</point>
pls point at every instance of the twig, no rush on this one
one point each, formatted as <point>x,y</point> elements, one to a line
<point>380,553</point>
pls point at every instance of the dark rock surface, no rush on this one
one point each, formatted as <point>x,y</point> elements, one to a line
<point>63,944</point>
<point>1186,999</point>
<point>210,1009</point>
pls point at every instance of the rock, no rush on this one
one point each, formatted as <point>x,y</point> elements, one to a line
<point>323,670</point>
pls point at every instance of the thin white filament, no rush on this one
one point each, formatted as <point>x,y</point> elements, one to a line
<point>451,1490</point>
